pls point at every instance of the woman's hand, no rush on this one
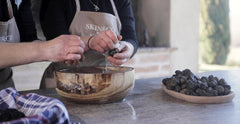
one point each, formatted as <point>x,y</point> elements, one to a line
<point>64,48</point>
<point>103,41</point>
<point>126,50</point>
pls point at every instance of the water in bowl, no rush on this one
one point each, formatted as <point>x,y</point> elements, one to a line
<point>106,61</point>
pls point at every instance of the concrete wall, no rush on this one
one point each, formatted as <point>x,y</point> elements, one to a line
<point>184,34</point>
<point>151,62</point>
<point>174,23</point>
<point>156,17</point>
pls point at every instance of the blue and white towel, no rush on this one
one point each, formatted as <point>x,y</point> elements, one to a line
<point>37,109</point>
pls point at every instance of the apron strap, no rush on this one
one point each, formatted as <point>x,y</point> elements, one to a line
<point>10,10</point>
<point>78,7</point>
<point>116,14</point>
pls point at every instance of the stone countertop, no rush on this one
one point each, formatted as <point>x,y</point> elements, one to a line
<point>149,104</point>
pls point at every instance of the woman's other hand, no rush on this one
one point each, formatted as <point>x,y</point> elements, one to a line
<point>64,47</point>
<point>103,41</point>
<point>126,50</point>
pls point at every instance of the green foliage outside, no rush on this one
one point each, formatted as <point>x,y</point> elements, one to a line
<point>215,32</point>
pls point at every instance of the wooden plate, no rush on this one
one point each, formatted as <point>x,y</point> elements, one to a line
<point>200,99</point>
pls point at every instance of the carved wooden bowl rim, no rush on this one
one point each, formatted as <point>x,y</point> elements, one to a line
<point>65,70</point>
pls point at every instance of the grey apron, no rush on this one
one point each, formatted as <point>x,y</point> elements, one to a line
<point>87,23</point>
<point>8,33</point>
<point>90,24</point>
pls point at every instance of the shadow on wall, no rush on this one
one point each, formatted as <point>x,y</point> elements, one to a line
<point>153,30</point>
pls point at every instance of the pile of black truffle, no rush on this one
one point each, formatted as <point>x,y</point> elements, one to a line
<point>187,83</point>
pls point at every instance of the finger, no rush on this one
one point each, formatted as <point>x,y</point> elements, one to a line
<point>76,41</point>
<point>75,49</point>
<point>82,44</point>
<point>74,37</point>
<point>122,46</point>
<point>120,55</point>
<point>106,42</point>
<point>119,37</point>
<point>102,37</point>
<point>115,61</point>
<point>110,45</point>
<point>111,35</point>
<point>120,61</point>
<point>99,49</point>
<point>104,45</point>
<point>73,57</point>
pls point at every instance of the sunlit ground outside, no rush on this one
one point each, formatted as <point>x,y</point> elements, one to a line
<point>233,60</point>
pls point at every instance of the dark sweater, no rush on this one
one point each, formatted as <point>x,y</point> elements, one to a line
<point>24,19</point>
<point>56,17</point>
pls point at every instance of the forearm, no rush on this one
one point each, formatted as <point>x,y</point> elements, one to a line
<point>128,24</point>
<point>134,45</point>
<point>12,54</point>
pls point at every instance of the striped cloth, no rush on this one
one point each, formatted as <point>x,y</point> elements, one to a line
<point>37,109</point>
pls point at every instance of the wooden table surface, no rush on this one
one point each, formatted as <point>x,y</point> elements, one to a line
<point>149,104</point>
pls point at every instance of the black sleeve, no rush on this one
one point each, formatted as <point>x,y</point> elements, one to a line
<point>53,18</point>
<point>25,22</point>
<point>128,22</point>
<point>4,16</point>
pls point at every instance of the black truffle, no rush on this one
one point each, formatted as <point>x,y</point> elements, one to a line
<point>187,83</point>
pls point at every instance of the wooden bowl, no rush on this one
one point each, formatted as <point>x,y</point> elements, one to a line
<point>94,84</point>
<point>200,99</point>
